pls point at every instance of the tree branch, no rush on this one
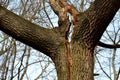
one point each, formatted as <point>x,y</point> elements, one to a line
<point>95,21</point>
<point>108,45</point>
<point>42,39</point>
<point>60,9</point>
<point>55,6</point>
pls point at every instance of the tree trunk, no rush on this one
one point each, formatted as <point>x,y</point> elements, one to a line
<point>74,61</point>
<point>82,63</point>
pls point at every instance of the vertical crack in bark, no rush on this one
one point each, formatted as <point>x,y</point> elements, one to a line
<point>69,58</point>
<point>61,8</point>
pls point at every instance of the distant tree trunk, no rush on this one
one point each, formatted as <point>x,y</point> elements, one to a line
<point>72,63</point>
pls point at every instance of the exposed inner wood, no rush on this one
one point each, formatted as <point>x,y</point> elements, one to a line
<point>69,58</point>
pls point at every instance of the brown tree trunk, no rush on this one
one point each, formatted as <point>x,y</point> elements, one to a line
<point>78,63</point>
<point>82,63</point>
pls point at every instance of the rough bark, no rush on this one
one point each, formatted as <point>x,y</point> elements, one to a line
<point>31,34</point>
<point>91,25</point>
<point>83,62</point>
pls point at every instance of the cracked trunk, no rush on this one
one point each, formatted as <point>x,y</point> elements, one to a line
<point>82,63</point>
<point>52,42</point>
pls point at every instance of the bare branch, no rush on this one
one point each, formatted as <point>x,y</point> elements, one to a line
<point>118,74</point>
<point>47,14</point>
<point>108,45</point>
<point>42,39</point>
<point>102,68</point>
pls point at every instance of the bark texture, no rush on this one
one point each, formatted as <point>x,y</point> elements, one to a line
<point>52,42</point>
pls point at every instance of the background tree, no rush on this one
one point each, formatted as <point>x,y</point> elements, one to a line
<point>79,64</point>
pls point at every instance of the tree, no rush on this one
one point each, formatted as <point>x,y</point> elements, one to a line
<point>75,62</point>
